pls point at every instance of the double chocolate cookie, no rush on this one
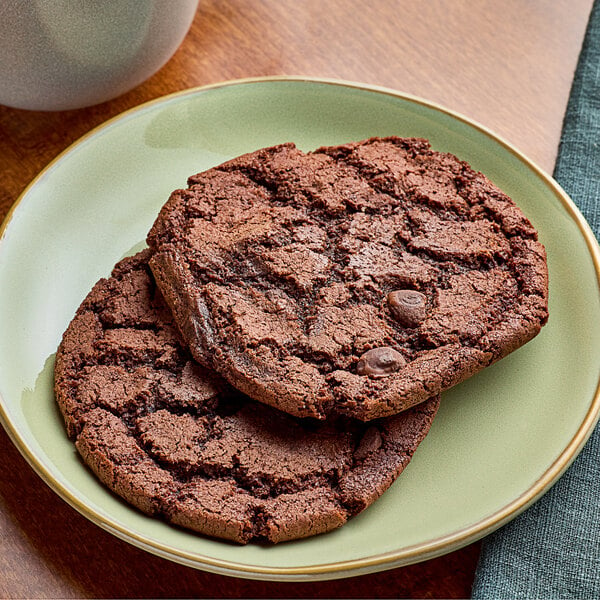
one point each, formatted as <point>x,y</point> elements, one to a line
<point>176,441</point>
<point>355,280</point>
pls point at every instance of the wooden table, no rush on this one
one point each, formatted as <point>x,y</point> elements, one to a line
<point>508,65</point>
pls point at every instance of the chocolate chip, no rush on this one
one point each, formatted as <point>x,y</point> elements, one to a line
<point>408,307</point>
<point>370,442</point>
<point>380,362</point>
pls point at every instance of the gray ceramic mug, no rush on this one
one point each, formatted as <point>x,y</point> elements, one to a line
<point>64,54</point>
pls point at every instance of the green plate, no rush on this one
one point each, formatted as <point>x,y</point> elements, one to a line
<point>501,439</point>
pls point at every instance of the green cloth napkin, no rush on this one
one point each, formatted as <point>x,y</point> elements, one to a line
<point>552,550</point>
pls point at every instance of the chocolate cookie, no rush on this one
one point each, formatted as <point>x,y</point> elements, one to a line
<point>359,279</point>
<point>176,441</point>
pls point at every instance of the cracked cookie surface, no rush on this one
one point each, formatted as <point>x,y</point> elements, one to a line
<point>176,441</point>
<point>286,270</point>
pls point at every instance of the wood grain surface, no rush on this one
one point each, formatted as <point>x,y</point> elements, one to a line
<point>508,65</point>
